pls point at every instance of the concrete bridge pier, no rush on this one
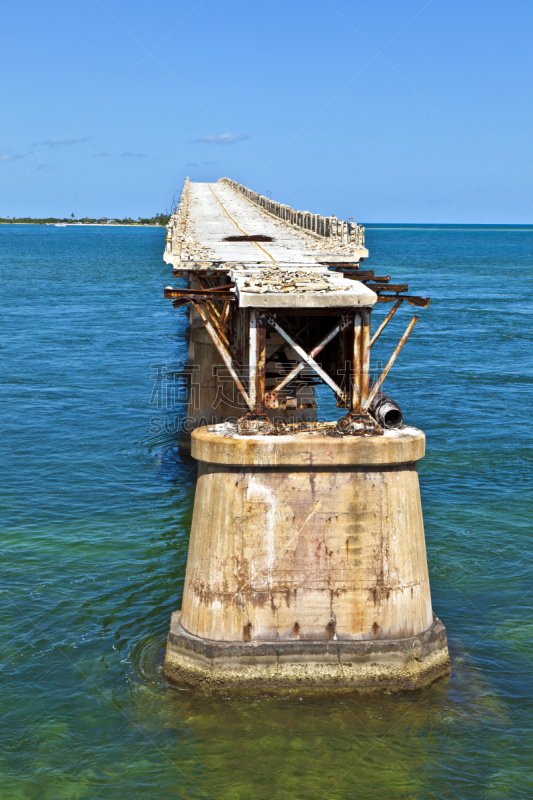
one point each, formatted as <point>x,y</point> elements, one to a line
<point>307,565</point>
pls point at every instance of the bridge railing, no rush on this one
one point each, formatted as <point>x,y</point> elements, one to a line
<point>338,230</point>
<point>177,222</point>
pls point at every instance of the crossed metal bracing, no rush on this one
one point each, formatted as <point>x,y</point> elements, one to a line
<point>341,337</point>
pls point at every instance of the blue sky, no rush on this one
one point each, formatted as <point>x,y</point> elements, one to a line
<point>387,111</point>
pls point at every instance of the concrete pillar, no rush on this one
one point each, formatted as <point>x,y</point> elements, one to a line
<point>307,565</point>
<point>207,390</point>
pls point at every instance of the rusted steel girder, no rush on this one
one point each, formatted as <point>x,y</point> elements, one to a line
<point>412,300</point>
<point>226,357</point>
<point>239,336</point>
<point>375,389</point>
<point>387,287</point>
<point>386,321</point>
<point>257,361</point>
<point>361,359</point>
<point>193,293</point>
<point>364,276</point>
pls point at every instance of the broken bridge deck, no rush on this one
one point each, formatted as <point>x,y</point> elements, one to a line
<point>212,223</point>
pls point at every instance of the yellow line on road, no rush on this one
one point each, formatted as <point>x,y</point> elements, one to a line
<point>238,228</point>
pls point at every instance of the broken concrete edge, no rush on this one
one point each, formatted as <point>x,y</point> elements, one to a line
<point>221,444</point>
<point>309,299</point>
<point>271,287</point>
<point>395,665</point>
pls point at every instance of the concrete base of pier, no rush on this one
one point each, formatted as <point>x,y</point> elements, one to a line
<point>307,564</point>
<point>396,664</point>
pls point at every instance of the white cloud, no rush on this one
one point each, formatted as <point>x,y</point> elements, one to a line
<point>10,157</point>
<point>127,154</point>
<point>57,142</point>
<point>225,138</point>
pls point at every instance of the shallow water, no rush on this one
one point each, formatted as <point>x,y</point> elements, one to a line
<point>96,507</point>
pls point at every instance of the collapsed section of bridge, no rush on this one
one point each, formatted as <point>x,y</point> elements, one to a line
<point>307,561</point>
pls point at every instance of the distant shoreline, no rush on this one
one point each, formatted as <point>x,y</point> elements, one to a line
<point>88,224</point>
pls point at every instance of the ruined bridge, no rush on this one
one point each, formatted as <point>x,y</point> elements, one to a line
<point>307,562</point>
<point>209,227</point>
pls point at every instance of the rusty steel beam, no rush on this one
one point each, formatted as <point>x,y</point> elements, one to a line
<point>392,359</point>
<point>386,321</point>
<point>213,288</point>
<point>225,312</point>
<point>355,400</point>
<point>204,294</point>
<point>183,301</point>
<point>220,329</point>
<point>360,359</point>
<point>226,357</point>
<point>368,275</point>
<point>389,287</point>
<point>364,373</point>
<point>222,288</point>
<point>412,300</point>
<point>215,313</point>
<point>359,276</point>
<point>260,364</point>
<point>252,357</point>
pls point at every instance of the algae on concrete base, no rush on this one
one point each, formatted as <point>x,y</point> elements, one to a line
<point>392,665</point>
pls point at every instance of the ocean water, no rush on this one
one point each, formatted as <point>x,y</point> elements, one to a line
<point>96,506</point>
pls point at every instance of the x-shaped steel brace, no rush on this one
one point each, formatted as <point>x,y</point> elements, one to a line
<point>308,358</point>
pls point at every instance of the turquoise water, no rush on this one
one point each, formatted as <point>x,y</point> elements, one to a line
<point>96,509</point>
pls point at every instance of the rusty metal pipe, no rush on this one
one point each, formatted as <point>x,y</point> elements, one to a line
<point>385,410</point>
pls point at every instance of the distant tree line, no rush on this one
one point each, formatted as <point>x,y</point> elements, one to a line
<point>158,219</point>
